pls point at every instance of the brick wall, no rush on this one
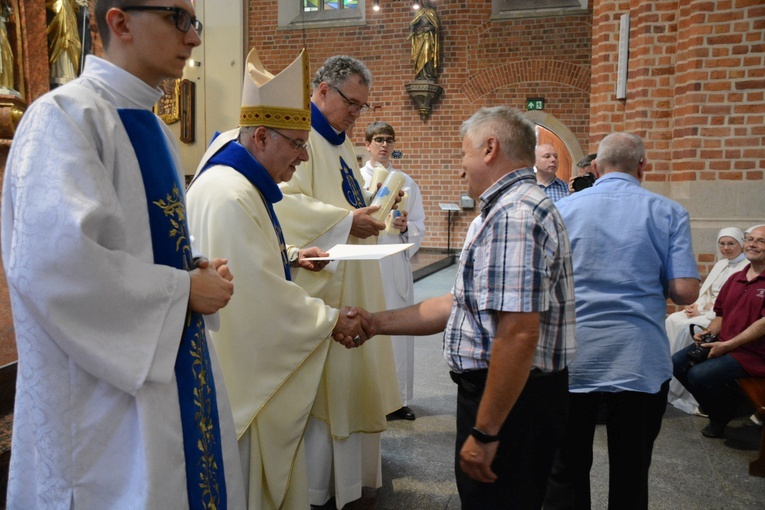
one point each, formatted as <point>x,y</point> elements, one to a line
<point>696,94</point>
<point>696,85</point>
<point>484,63</point>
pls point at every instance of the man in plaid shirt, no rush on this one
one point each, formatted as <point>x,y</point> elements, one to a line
<point>546,166</point>
<point>509,320</point>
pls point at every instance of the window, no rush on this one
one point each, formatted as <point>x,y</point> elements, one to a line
<point>300,14</point>
<point>328,5</point>
<point>535,8</point>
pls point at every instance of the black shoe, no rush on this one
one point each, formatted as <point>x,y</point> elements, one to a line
<point>402,414</point>
<point>329,505</point>
<point>713,430</point>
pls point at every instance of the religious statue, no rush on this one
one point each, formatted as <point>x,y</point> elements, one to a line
<point>424,32</point>
<point>64,44</point>
<point>7,76</point>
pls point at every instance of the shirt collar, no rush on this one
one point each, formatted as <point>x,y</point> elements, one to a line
<point>133,91</point>
<point>503,184</point>
<point>320,123</point>
<point>733,262</point>
<point>741,275</point>
<point>617,176</point>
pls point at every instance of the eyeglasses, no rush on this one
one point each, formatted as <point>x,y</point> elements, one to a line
<point>729,244</point>
<point>299,146</point>
<point>379,140</point>
<point>759,241</point>
<point>353,106</point>
<point>183,20</point>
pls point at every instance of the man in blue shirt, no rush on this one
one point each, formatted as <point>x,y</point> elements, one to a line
<point>631,249</point>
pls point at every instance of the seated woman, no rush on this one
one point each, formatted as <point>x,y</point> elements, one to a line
<point>730,242</point>
<point>740,347</point>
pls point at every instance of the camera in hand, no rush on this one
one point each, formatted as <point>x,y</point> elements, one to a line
<point>584,181</point>
<point>699,353</point>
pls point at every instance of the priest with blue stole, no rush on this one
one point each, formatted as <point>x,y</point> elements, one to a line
<point>274,337</point>
<point>325,204</point>
<point>120,402</point>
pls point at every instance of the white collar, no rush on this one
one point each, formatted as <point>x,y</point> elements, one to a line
<point>132,91</point>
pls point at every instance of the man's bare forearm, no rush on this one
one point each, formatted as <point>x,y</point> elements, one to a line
<point>425,318</point>
<point>511,357</point>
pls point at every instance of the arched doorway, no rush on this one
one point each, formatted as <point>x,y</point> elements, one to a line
<point>551,130</point>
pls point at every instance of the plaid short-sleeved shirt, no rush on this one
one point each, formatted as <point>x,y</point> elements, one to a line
<point>556,190</point>
<point>517,260</point>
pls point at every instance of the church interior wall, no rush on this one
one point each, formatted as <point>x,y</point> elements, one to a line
<point>696,95</point>
<point>484,63</point>
<point>695,90</point>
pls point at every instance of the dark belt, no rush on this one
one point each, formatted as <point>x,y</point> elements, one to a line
<point>474,381</point>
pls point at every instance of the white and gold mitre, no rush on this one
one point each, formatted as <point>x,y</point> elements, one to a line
<point>281,101</point>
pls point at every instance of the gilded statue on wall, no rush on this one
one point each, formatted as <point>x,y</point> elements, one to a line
<point>64,46</point>
<point>7,63</point>
<point>424,33</point>
<point>167,106</point>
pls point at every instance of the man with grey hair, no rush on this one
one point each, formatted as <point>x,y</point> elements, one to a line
<point>631,250</point>
<point>325,204</point>
<point>508,322</point>
<point>272,373</point>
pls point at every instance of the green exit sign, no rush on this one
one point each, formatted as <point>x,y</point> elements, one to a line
<point>535,103</point>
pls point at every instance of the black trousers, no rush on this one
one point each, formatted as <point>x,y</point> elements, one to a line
<point>528,441</point>
<point>633,423</point>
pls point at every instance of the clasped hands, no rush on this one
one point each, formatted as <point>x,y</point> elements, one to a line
<point>211,287</point>
<point>354,327</point>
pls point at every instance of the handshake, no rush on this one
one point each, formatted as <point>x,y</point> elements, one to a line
<point>354,327</point>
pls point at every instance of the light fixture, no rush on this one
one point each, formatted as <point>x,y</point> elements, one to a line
<point>376,6</point>
<point>416,5</point>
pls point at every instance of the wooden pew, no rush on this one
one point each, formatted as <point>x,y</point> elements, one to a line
<point>754,388</point>
<point>7,396</point>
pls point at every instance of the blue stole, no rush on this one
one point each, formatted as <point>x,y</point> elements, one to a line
<point>205,480</point>
<point>234,155</point>
<point>351,189</point>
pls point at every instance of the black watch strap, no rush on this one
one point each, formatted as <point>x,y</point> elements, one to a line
<point>483,437</point>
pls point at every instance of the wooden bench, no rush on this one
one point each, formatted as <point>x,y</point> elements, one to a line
<point>754,388</point>
<point>7,395</point>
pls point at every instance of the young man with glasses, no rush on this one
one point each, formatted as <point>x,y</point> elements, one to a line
<point>408,226</point>
<point>740,347</point>
<point>120,401</point>
<point>325,204</point>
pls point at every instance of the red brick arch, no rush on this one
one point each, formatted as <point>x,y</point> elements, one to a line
<point>526,71</point>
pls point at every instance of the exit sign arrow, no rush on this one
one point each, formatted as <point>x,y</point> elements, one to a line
<point>535,103</point>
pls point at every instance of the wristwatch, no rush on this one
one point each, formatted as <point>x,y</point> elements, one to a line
<point>483,437</point>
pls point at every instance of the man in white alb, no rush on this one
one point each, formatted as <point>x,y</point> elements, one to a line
<point>120,402</point>
<point>324,204</point>
<point>274,337</point>
<point>404,225</point>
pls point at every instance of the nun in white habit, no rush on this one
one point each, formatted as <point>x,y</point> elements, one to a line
<point>730,242</point>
